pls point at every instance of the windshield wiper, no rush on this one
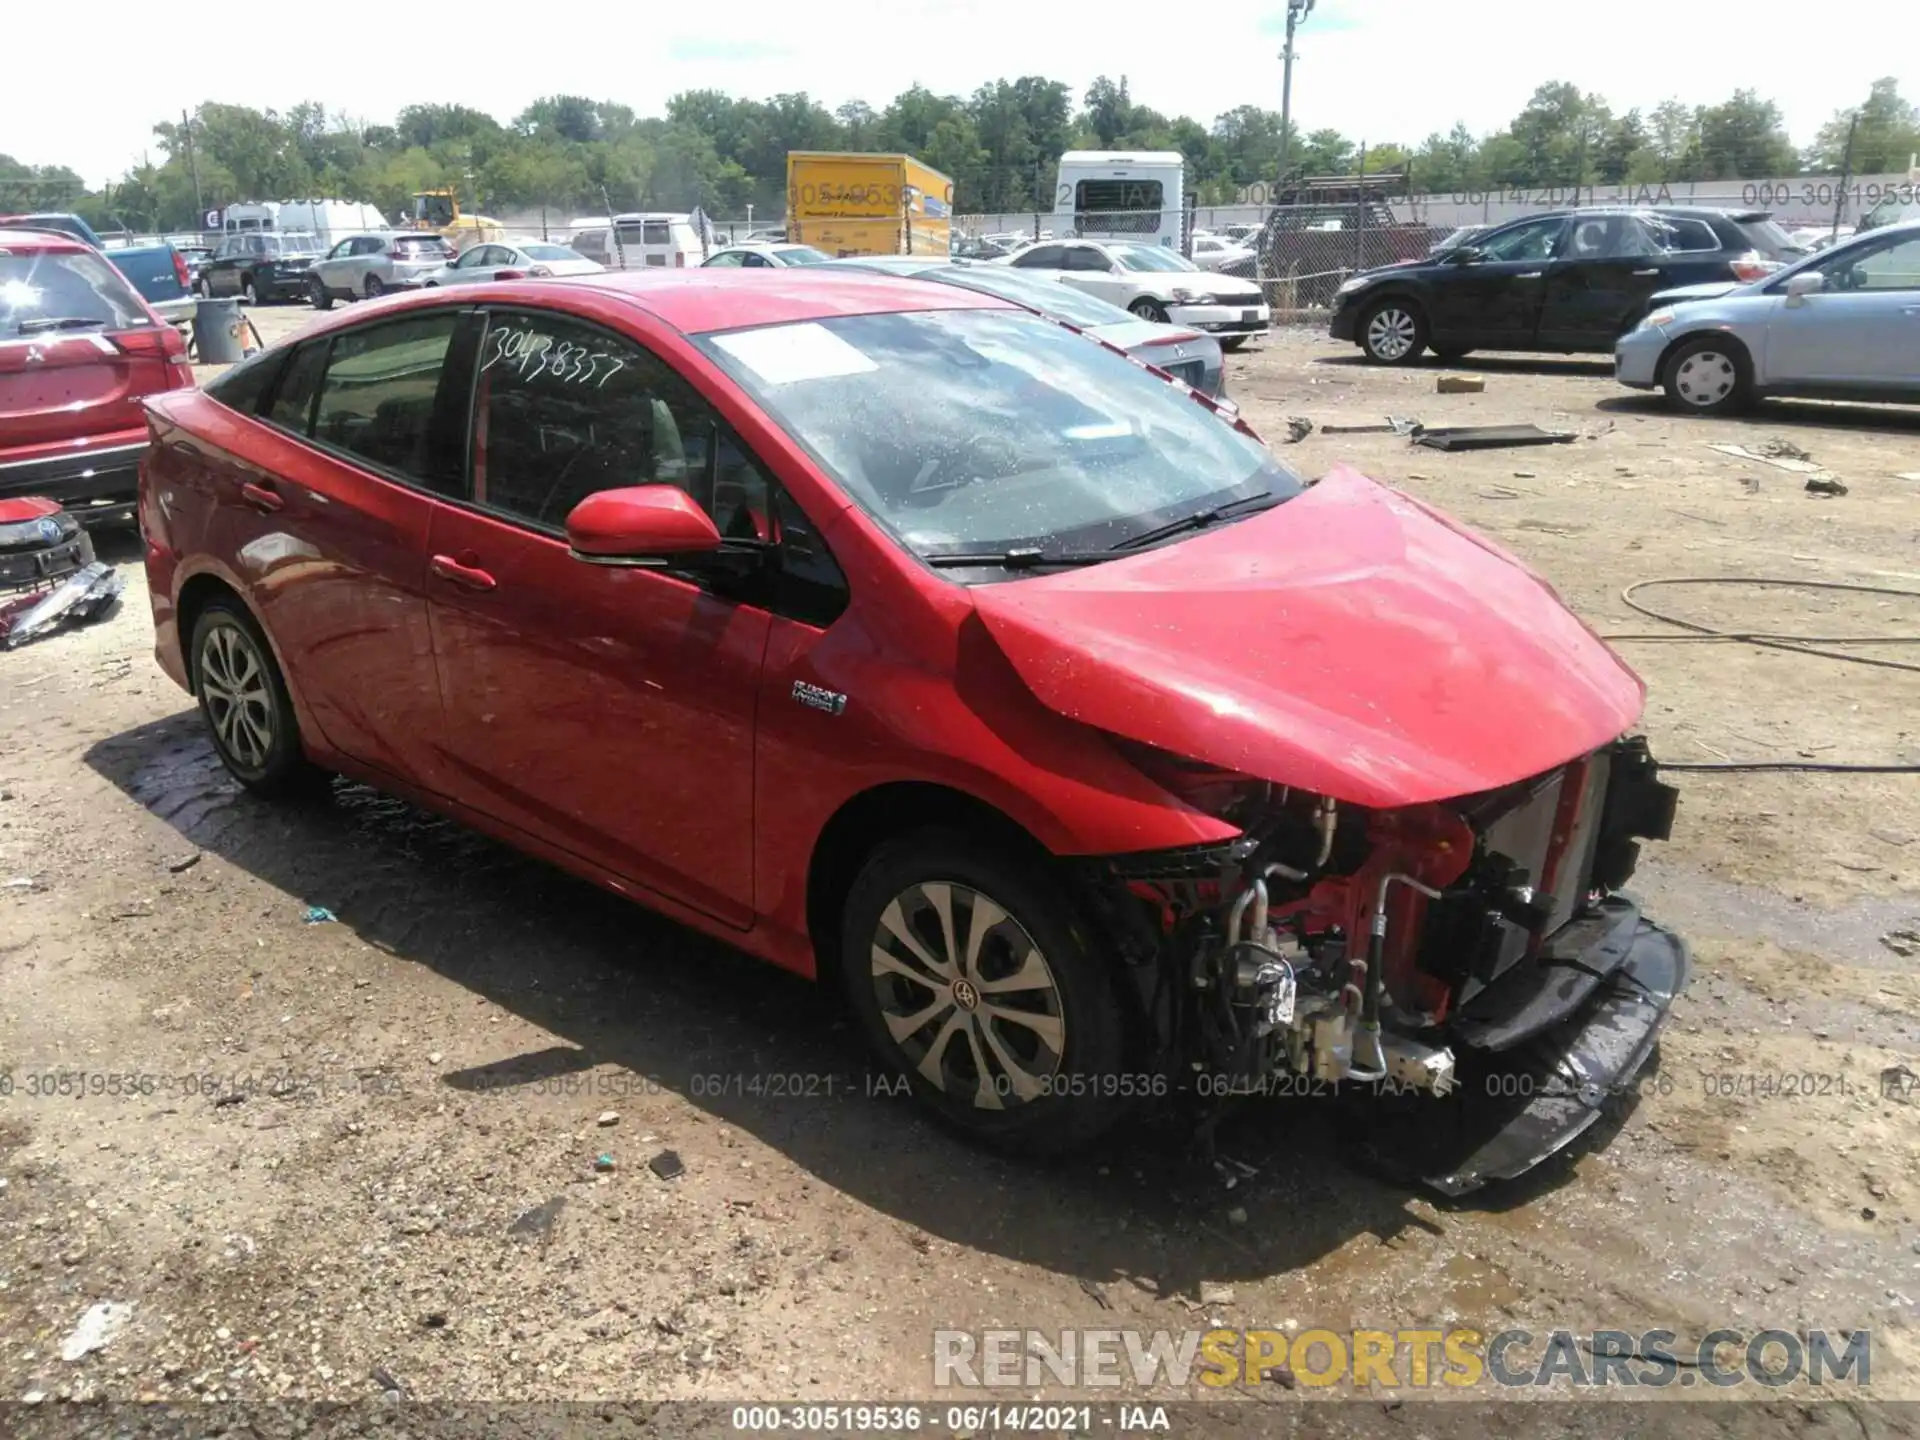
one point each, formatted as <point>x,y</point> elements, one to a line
<point>56,322</point>
<point>1019,558</point>
<point>1201,519</point>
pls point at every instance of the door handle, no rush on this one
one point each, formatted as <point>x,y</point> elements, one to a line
<point>1530,275</point>
<point>1911,310</point>
<point>452,571</point>
<point>1646,272</point>
<point>261,497</point>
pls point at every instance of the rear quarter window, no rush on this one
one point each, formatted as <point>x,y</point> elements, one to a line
<point>1682,235</point>
<point>245,386</point>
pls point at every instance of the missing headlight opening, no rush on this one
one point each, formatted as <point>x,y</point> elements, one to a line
<point>1337,945</point>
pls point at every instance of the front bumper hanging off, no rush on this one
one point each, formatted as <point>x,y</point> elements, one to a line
<point>1564,1076</point>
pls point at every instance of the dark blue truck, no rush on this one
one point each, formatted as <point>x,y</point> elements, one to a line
<point>158,272</point>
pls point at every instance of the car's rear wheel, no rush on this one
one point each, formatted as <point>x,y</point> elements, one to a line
<point>1148,308</point>
<point>974,980</point>
<point>1709,376</point>
<point>1393,332</point>
<point>202,289</point>
<point>244,700</point>
<point>318,294</point>
<point>249,291</point>
<point>374,288</point>
<point>1233,342</point>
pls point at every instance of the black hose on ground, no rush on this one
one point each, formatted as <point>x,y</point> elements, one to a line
<point>1794,644</point>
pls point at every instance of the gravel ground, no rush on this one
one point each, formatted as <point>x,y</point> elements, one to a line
<point>406,1149</point>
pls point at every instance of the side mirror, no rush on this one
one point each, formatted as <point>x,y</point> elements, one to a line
<point>1467,255</point>
<point>641,525</point>
<point>1807,282</point>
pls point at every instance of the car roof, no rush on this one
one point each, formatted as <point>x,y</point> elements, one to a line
<point>24,239</point>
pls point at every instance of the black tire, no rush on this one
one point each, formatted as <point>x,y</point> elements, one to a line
<point>374,287</point>
<point>228,651</point>
<point>1393,331</point>
<point>1709,375</point>
<point>318,295</point>
<point>1147,308</point>
<point>202,289</point>
<point>249,291</point>
<point>1051,1096</point>
<point>1233,343</point>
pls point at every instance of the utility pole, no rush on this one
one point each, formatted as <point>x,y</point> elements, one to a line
<point>199,208</point>
<point>1297,10</point>
<point>1846,175</point>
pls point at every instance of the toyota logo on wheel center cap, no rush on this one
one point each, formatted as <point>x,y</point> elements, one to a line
<point>965,996</point>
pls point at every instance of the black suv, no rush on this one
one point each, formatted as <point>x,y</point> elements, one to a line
<point>1571,280</point>
<point>259,266</point>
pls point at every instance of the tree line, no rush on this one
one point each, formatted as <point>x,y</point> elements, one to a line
<point>574,155</point>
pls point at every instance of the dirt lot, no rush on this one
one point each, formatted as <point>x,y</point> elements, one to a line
<point>409,1198</point>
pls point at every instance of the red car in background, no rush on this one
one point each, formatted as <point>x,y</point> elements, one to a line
<point>907,639</point>
<point>79,351</point>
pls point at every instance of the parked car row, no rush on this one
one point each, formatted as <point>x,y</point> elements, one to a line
<point>1154,283</point>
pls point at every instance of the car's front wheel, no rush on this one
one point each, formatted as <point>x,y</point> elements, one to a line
<point>244,700</point>
<point>1393,332</point>
<point>1709,376</point>
<point>318,294</point>
<point>974,980</point>
<point>1147,308</point>
<point>249,291</point>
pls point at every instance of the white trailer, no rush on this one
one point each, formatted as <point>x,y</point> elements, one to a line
<point>1122,195</point>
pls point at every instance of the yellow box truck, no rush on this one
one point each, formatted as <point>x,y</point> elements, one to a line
<point>848,204</point>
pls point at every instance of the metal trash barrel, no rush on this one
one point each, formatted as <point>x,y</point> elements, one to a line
<point>220,330</point>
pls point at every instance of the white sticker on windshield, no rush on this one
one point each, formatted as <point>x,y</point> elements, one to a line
<point>783,354</point>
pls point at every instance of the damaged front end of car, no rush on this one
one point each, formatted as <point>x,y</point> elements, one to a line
<point>1338,947</point>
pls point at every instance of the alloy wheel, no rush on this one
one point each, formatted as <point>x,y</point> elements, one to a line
<point>249,293</point>
<point>239,700</point>
<point>967,995</point>
<point>1706,377</point>
<point>1391,333</point>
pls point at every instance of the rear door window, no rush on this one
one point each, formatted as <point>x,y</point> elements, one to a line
<point>377,402</point>
<point>1042,257</point>
<point>1679,235</point>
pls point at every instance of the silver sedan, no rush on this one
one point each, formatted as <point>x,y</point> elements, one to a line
<point>1843,324</point>
<point>513,260</point>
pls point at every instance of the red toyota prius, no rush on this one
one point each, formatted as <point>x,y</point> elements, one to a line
<point>910,640</point>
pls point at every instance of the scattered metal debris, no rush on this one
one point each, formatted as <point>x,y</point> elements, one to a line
<point>666,1165</point>
<point>1396,425</point>
<point>1489,437</point>
<point>1298,428</point>
<point>1782,450</point>
<point>1797,462</point>
<point>85,595</point>
<point>1825,485</point>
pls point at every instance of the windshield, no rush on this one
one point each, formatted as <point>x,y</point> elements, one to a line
<point>1148,257</point>
<point>803,255</point>
<point>549,252</point>
<point>291,244</point>
<point>1049,297</point>
<point>45,291</point>
<point>980,431</point>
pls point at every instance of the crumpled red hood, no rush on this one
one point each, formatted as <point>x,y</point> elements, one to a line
<point>1350,642</point>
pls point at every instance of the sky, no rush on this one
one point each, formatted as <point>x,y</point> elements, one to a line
<point>1377,70</point>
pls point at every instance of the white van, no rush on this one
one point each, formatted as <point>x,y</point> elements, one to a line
<point>1138,196</point>
<point>657,239</point>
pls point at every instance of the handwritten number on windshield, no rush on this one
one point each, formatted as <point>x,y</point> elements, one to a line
<point>531,355</point>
